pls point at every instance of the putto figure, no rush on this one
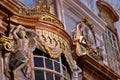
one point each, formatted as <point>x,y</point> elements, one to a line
<point>24,44</point>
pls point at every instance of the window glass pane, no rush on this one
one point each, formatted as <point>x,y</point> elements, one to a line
<point>49,76</point>
<point>57,77</point>
<point>48,64</point>
<point>105,34</point>
<point>111,63</point>
<point>39,75</point>
<point>108,49</point>
<point>114,41</point>
<point>38,62</point>
<point>57,66</point>
<point>110,41</point>
<point>109,35</point>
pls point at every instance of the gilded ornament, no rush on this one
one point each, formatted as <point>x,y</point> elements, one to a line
<point>53,44</point>
<point>6,42</point>
<point>45,34</point>
<point>7,46</point>
<point>86,21</point>
<point>55,37</point>
<point>50,34</point>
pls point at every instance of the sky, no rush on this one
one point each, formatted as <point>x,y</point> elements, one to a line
<point>29,3</point>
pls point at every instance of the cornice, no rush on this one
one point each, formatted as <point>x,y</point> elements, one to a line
<point>94,65</point>
<point>24,20</point>
<point>9,6</point>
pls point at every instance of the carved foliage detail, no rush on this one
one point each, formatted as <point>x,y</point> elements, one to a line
<point>53,44</point>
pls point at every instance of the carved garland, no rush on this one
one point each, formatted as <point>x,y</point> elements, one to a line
<point>54,45</point>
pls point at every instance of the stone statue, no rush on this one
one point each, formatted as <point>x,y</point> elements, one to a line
<point>78,38</point>
<point>24,44</point>
<point>77,72</point>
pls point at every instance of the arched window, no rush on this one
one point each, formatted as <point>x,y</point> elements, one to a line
<point>45,68</point>
<point>107,13</point>
<point>112,49</point>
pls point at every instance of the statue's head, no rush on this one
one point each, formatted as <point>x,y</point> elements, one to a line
<point>22,34</point>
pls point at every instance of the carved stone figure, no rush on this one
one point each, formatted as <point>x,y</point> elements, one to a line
<point>77,73</point>
<point>85,31</point>
<point>78,37</point>
<point>24,44</point>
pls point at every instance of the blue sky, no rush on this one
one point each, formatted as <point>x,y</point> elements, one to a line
<point>29,3</point>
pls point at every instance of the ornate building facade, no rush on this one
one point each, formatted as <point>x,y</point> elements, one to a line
<point>59,40</point>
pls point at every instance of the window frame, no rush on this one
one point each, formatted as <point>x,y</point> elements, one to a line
<point>109,47</point>
<point>53,71</point>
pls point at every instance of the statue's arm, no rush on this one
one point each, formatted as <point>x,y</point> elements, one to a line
<point>15,36</point>
<point>32,33</point>
<point>16,31</point>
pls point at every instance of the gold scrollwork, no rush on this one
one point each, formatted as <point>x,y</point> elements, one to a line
<point>61,45</point>
<point>45,34</point>
<point>5,41</point>
<point>7,46</point>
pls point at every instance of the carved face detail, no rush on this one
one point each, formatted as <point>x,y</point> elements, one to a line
<point>22,34</point>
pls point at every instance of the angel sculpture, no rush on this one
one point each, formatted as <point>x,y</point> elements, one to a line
<point>24,44</point>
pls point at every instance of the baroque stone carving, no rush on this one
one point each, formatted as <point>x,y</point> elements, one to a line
<point>5,48</point>
<point>53,45</point>
<point>77,73</point>
<point>24,42</point>
<point>22,46</point>
<point>78,38</point>
<point>42,11</point>
<point>84,39</point>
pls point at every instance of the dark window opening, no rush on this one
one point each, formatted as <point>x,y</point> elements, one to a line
<point>57,77</point>
<point>57,66</point>
<point>38,52</point>
<point>65,63</point>
<point>39,75</point>
<point>48,63</point>
<point>49,76</point>
<point>38,62</point>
